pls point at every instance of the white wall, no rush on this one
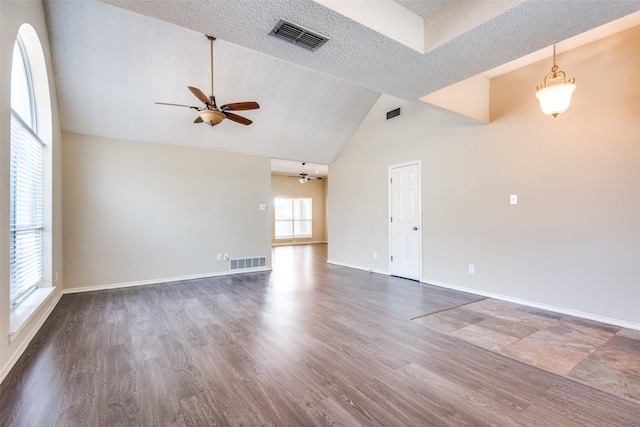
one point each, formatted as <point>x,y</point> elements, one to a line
<point>572,242</point>
<point>282,185</point>
<point>137,212</point>
<point>12,15</point>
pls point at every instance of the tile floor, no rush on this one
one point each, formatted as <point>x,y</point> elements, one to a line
<point>601,355</point>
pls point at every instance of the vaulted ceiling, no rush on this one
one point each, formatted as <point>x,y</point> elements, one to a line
<point>114,58</point>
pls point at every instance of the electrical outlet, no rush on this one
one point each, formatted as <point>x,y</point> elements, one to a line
<point>375,255</point>
<point>513,199</point>
<point>219,257</point>
<point>472,268</point>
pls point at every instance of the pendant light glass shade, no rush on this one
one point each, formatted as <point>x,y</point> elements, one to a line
<point>555,92</point>
<point>555,99</point>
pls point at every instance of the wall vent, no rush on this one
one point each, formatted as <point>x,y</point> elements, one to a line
<point>245,263</point>
<point>393,113</point>
<point>298,35</point>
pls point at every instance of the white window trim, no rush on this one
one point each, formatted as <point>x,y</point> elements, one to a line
<point>26,310</point>
<point>32,95</point>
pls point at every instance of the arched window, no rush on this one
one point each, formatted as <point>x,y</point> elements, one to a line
<point>27,176</point>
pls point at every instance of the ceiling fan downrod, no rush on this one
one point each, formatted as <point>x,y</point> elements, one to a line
<point>212,96</point>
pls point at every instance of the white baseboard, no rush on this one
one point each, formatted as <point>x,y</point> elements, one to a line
<point>555,309</point>
<point>162,280</point>
<point>20,350</point>
<point>357,267</point>
<point>314,242</point>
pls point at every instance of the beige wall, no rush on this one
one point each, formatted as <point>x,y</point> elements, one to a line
<point>573,241</point>
<point>325,186</point>
<point>12,16</point>
<point>138,212</point>
<point>282,185</point>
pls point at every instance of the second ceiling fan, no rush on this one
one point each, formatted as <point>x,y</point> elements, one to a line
<point>304,177</point>
<point>211,113</point>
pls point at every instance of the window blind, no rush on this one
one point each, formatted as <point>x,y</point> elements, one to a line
<point>293,217</point>
<point>26,217</point>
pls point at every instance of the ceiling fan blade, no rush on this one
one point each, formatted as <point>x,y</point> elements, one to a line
<point>176,105</point>
<point>315,177</point>
<point>238,119</point>
<point>198,120</point>
<point>201,96</point>
<point>241,106</point>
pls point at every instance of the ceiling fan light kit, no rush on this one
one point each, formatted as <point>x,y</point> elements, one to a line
<point>211,114</point>
<point>211,117</point>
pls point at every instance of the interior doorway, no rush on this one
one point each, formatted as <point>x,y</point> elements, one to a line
<point>405,228</point>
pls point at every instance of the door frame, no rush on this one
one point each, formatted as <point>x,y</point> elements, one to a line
<point>390,201</point>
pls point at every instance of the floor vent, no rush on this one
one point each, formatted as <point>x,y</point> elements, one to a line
<point>298,35</point>
<point>393,113</point>
<point>244,263</point>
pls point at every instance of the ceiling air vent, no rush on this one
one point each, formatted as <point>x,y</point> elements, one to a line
<point>393,113</point>
<point>298,35</point>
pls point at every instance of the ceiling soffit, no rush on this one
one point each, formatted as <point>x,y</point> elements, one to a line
<point>436,24</point>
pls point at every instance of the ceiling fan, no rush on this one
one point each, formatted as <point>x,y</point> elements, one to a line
<point>304,177</point>
<point>211,113</point>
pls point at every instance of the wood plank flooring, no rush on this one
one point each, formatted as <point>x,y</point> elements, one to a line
<point>305,344</point>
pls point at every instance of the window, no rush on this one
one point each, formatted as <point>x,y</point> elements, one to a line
<point>26,182</point>
<point>293,217</point>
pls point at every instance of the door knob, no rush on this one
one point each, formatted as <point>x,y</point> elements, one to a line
<point>415,228</point>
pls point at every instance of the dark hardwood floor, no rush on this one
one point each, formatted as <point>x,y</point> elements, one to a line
<point>306,344</point>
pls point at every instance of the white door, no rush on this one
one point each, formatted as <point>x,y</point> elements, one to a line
<point>406,237</point>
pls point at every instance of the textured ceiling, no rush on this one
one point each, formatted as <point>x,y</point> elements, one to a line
<point>362,56</point>
<point>111,64</point>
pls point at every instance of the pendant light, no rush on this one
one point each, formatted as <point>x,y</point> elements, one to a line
<point>555,92</point>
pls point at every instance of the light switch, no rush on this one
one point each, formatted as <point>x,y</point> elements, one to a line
<point>513,199</point>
